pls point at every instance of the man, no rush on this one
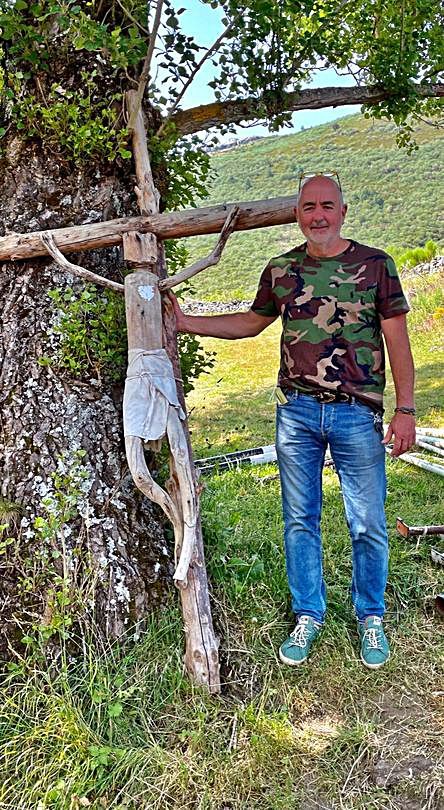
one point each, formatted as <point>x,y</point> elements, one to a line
<point>335,298</point>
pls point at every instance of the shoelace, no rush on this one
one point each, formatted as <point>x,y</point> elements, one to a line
<point>300,635</point>
<point>374,637</point>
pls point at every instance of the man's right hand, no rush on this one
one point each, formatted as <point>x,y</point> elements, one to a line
<point>170,302</point>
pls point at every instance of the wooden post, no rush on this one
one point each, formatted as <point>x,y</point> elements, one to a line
<point>181,503</point>
<point>201,651</point>
<point>151,411</point>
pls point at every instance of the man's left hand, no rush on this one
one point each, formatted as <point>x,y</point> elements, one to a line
<point>402,431</point>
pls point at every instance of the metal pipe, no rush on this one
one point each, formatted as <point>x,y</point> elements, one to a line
<point>431,431</point>
<point>430,447</point>
<point>419,462</point>
<point>433,440</point>
<point>416,531</point>
<point>257,455</point>
<point>235,456</point>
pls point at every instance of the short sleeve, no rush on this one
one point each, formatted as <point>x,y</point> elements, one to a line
<point>391,300</point>
<point>264,302</point>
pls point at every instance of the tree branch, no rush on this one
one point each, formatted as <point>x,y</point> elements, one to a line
<point>133,19</point>
<point>146,68</point>
<point>435,72</point>
<point>196,119</point>
<point>436,124</point>
<point>58,257</point>
<point>208,261</point>
<point>190,79</point>
<point>146,193</point>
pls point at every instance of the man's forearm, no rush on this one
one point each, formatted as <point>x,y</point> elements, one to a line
<point>230,327</point>
<point>403,372</point>
<point>401,361</point>
<point>401,430</point>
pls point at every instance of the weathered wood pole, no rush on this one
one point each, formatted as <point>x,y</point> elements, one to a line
<point>182,503</point>
<point>151,410</point>
<point>169,225</point>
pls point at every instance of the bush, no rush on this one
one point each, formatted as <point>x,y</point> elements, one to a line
<point>413,256</point>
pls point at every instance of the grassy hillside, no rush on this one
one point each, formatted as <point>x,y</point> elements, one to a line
<point>395,199</point>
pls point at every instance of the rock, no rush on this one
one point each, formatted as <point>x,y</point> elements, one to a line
<point>387,773</point>
<point>214,307</point>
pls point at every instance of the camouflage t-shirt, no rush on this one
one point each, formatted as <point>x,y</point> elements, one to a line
<point>331,311</point>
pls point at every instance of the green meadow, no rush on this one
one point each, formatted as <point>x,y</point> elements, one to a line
<point>120,727</point>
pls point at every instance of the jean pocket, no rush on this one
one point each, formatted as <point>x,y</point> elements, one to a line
<point>371,415</point>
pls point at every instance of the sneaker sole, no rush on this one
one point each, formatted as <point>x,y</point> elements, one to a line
<point>290,661</point>
<point>374,666</point>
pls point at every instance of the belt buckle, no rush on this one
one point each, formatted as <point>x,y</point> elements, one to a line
<point>325,396</point>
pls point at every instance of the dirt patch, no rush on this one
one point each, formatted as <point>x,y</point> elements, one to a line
<point>409,753</point>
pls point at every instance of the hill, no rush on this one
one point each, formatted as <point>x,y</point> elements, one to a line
<point>395,199</point>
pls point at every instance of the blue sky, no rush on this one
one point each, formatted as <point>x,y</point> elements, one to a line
<point>205,23</point>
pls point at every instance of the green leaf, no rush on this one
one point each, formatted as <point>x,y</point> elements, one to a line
<point>39,523</point>
<point>115,709</point>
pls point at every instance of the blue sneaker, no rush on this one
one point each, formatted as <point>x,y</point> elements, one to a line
<point>296,647</point>
<point>375,650</point>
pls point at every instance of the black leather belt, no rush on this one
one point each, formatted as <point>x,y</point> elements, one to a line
<point>322,396</point>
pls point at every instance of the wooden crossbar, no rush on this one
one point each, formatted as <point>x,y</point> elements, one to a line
<point>172,225</point>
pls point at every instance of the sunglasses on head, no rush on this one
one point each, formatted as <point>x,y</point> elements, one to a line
<point>308,175</point>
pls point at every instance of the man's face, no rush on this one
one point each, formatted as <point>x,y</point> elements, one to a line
<point>320,212</point>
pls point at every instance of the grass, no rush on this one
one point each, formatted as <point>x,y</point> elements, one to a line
<point>123,728</point>
<point>120,726</point>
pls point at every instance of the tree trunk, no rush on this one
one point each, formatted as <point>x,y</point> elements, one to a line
<point>98,540</point>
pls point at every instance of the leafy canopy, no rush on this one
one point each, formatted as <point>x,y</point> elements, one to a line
<point>269,47</point>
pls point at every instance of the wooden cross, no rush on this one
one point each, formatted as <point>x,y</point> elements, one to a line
<point>154,366</point>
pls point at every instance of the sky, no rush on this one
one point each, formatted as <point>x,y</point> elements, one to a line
<point>205,23</point>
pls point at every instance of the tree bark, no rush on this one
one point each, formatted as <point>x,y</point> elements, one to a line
<point>112,547</point>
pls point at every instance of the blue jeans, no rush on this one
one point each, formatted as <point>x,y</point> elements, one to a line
<point>304,429</point>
